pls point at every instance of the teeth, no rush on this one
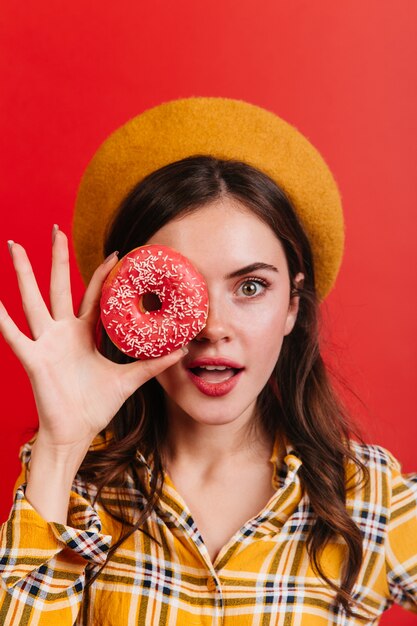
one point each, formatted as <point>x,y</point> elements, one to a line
<point>214,367</point>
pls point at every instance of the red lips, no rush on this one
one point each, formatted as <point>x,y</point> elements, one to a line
<point>211,388</point>
<point>206,360</point>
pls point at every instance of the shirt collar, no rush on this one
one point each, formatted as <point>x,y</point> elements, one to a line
<point>284,459</point>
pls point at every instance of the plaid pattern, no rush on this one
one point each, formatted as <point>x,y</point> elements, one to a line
<point>261,577</point>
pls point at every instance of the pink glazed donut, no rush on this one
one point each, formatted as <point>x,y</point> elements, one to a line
<point>153,302</point>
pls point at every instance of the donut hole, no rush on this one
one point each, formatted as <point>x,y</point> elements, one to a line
<point>150,302</point>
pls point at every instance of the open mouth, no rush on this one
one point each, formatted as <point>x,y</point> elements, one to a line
<point>216,378</point>
<point>214,373</point>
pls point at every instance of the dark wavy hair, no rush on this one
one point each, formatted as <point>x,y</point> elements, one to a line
<point>298,402</point>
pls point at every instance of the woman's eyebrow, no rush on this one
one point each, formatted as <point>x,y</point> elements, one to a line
<point>253,267</point>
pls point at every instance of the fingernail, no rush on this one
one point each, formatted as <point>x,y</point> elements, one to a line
<point>55,229</point>
<point>184,349</point>
<point>111,256</point>
<point>10,244</point>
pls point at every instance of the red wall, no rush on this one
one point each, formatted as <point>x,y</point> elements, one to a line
<point>342,72</point>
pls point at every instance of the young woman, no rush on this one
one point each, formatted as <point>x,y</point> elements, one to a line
<point>215,485</point>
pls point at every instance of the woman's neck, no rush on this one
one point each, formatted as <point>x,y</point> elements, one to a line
<point>203,447</point>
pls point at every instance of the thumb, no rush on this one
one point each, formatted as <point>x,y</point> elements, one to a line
<point>138,373</point>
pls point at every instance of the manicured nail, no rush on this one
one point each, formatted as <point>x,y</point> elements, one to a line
<point>111,256</point>
<point>55,229</point>
<point>10,244</point>
<point>184,349</point>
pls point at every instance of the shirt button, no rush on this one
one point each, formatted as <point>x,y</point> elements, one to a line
<point>211,584</point>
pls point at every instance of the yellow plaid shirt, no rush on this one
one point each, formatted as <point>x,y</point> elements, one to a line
<point>261,577</point>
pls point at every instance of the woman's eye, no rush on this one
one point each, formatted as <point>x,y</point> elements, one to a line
<point>252,287</point>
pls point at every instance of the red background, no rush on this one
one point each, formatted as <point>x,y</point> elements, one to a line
<point>342,72</point>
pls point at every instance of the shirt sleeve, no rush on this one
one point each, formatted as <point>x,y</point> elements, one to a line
<point>401,541</point>
<point>43,564</point>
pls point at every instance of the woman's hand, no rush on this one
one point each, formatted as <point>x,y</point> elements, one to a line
<point>77,390</point>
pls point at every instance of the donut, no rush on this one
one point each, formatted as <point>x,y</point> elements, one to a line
<point>153,302</point>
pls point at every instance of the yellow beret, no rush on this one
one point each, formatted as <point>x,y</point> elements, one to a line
<point>226,129</point>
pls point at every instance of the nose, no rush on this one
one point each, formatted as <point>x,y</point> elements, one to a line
<point>218,325</point>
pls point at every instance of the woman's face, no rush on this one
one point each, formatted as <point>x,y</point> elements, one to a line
<point>250,312</point>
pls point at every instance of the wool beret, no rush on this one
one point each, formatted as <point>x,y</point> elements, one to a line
<point>224,128</point>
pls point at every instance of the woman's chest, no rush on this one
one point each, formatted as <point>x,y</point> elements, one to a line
<point>169,584</point>
<point>219,514</point>
<point>220,508</point>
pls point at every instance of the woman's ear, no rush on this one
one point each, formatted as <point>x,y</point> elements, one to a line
<point>294,303</point>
